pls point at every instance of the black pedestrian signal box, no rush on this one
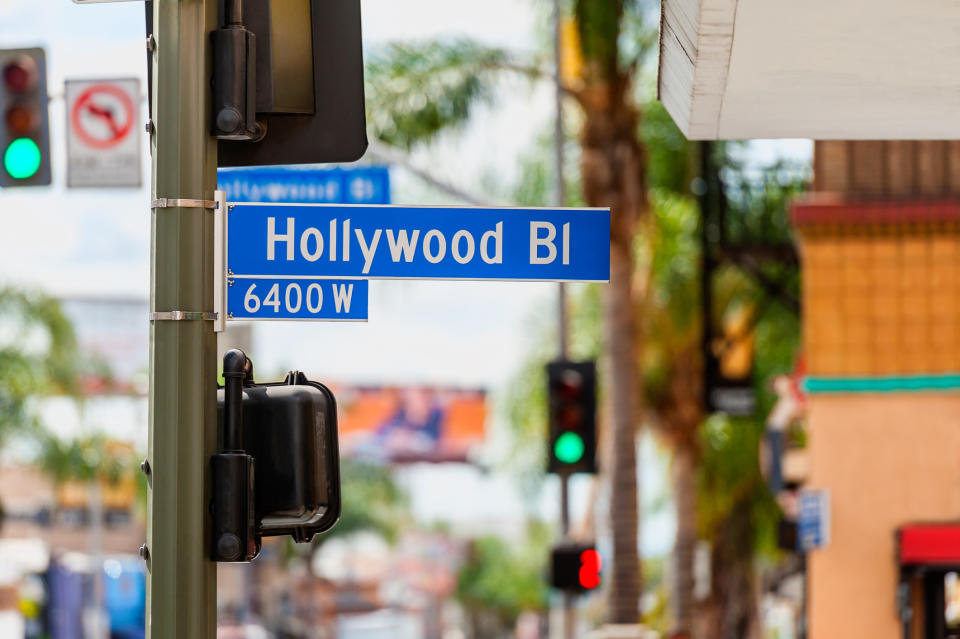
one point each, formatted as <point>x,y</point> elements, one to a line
<point>309,84</point>
<point>24,130</point>
<point>572,408</point>
<point>279,470</point>
<point>575,567</point>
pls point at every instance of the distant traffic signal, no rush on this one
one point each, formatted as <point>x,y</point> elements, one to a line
<point>575,567</point>
<point>572,406</point>
<point>24,132</point>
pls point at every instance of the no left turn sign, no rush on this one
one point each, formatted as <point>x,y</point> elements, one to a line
<point>103,148</point>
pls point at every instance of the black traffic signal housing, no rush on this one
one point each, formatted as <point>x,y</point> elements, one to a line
<point>278,472</point>
<point>25,130</point>
<point>572,408</point>
<point>575,567</point>
<point>308,74</point>
<point>234,77</point>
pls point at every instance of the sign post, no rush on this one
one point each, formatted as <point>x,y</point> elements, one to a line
<point>181,578</point>
<point>103,133</point>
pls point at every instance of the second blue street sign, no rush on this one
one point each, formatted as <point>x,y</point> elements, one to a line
<point>297,299</point>
<point>393,242</point>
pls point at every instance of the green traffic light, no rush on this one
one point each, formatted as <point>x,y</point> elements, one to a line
<point>569,448</point>
<point>22,158</point>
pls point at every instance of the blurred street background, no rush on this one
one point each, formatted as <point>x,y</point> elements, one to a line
<point>726,496</point>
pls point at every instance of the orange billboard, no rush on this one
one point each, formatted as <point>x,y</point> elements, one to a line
<point>411,423</point>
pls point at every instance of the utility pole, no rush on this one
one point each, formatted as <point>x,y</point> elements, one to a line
<point>181,579</point>
<point>561,185</point>
<point>569,614</point>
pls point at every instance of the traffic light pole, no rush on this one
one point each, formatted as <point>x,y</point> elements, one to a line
<point>181,579</point>
<point>569,614</point>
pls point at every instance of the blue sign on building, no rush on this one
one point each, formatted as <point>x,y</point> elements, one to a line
<point>306,184</point>
<point>296,299</point>
<point>813,521</point>
<point>384,242</point>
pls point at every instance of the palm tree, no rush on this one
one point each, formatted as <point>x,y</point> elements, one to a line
<point>613,174</point>
<point>415,92</point>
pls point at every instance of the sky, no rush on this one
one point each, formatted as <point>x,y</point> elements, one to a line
<point>86,243</point>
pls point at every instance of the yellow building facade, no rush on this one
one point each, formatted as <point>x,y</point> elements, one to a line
<point>880,250</point>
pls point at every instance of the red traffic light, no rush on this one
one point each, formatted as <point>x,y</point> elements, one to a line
<point>20,75</point>
<point>590,566</point>
<point>575,567</point>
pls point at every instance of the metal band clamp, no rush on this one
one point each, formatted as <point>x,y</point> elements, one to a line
<point>175,203</point>
<point>177,316</point>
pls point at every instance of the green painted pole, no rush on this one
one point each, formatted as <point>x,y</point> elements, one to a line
<point>181,580</point>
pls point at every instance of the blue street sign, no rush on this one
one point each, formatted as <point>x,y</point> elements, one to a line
<point>296,299</point>
<point>309,184</point>
<point>384,242</point>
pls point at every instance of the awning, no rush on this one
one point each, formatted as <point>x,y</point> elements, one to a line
<point>929,544</point>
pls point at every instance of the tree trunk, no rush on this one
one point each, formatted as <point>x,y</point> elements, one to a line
<point>731,613</point>
<point>679,417</point>
<point>612,168</point>
<point>684,476</point>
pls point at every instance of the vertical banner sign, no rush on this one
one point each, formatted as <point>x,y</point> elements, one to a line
<point>103,133</point>
<point>729,360</point>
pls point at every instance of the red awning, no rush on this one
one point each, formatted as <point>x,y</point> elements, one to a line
<point>930,544</point>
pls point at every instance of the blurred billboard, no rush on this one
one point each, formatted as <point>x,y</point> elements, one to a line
<point>397,424</point>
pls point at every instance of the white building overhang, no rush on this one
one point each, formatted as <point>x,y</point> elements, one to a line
<point>821,69</point>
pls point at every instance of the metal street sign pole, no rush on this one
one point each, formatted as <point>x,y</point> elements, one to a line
<point>181,580</point>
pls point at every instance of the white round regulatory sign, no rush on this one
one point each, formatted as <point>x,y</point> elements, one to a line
<point>103,148</point>
<point>102,115</point>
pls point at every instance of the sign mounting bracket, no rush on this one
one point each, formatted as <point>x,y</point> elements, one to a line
<point>180,203</point>
<point>178,316</point>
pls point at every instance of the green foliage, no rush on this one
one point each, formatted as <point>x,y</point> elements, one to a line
<point>757,198</point>
<point>730,473</point>
<point>418,91</point>
<point>372,501</point>
<point>37,355</point>
<point>499,580</point>
<point>669,251</point>
<point>536,183</point>
<point>669,154</point>
<point>84,459</point>
<point>526,408</point>
<point>599,25</point>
